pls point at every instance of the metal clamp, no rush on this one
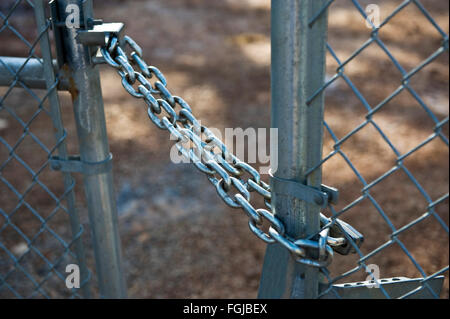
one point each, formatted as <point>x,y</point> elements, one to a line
<point>322,197</point>
<point>74,164</point>
<point>340,232</point>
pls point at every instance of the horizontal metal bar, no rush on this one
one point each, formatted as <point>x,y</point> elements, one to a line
<point>31,73</point>
<point>395,288</point>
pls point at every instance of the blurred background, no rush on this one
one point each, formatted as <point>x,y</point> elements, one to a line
<point>179,240</point>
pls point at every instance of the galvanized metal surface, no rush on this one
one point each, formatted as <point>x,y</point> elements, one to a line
<point>74,164</point>
<point>298,69</point>
<point>370,120</point>
<point>100,34</point>
<point>211,156</point>
<point>298,190</point>
<point>94,147</point>
<point>298,48</point>
<point>23,76</point>
<point>50,79</point>
<point>29,72</point>
<point>396,288</point>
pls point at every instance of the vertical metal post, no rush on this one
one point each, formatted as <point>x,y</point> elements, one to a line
<point>298,70</point>
<point>94,148</point>
<point>50,79</point>
<point>62,148</point>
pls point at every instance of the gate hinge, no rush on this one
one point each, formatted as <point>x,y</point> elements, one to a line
<point>74,164</point>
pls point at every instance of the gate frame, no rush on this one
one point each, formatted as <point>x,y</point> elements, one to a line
<point>94,150</point>
<point>298,70</point>
<point>299,48</point>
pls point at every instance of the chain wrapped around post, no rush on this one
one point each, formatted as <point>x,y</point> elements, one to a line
<point>210,155</point>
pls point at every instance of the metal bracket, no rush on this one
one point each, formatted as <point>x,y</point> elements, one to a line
<point>311,195</point>
<point>93,33</point>
<point>75,165</point>
<point>97,33</point>
<point>99,36</point>
<point>100,33</point>
<point>395,287</point>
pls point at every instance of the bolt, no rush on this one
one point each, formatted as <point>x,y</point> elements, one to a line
<point>56,166</point>
<point>93,22</point>
<point>318,200</point>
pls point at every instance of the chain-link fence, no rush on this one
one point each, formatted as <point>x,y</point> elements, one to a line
<point>403,133</point>
<point>40,231</point>
<point>387,155</point>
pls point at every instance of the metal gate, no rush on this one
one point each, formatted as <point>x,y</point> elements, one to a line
<point>41,231</point>
<point>42,234</point>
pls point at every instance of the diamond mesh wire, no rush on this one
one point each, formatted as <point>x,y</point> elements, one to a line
<point>403,137</point>
<point>36,242</point>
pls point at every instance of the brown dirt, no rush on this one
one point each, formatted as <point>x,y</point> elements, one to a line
<point>180,242</point>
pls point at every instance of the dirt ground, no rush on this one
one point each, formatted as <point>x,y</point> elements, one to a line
<point>179,239</point>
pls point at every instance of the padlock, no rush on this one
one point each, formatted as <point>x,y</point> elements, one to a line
<point>342,230</point>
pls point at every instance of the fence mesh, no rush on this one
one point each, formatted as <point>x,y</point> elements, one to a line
<point>398,193</point>
<point>36,243</point>
<point>394,146</point>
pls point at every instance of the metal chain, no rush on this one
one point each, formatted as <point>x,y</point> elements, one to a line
<point>209,154</point>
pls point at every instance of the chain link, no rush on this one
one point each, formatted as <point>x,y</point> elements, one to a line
<point>209,154</point>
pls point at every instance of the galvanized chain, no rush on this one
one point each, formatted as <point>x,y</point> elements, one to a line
<point>209,154</point>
